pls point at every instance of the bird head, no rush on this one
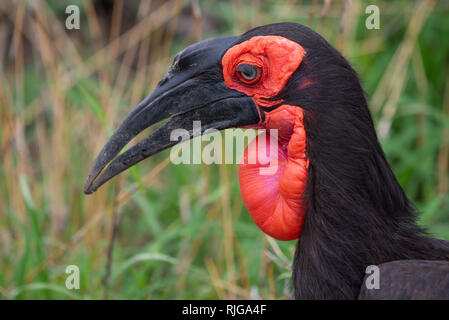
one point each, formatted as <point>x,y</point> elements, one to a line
<point>281,76</point>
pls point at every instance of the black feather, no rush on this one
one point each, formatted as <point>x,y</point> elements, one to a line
<point>357,213</point>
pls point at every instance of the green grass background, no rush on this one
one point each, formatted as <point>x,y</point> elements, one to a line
<point>182,232</point>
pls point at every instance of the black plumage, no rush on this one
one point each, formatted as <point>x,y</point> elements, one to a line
<point>410,280</point>
<point>357,213</point>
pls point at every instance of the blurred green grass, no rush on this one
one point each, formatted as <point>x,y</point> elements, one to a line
<point>183,231</point>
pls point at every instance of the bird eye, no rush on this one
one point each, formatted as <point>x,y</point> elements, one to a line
<point>248,73</point>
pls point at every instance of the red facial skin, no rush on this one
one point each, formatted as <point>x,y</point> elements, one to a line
<point>275,202</point>
<point>278,57</point>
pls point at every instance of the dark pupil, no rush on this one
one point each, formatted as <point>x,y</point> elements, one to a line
<point>247,71</point>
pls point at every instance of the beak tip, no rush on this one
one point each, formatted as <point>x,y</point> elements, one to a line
<point>87,188</point>
<point>87,191</point>
<point>89,185</point>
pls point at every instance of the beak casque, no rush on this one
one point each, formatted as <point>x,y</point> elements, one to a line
<point>192,90</point>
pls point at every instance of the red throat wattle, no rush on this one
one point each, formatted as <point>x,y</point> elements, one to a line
<point>275,202</point>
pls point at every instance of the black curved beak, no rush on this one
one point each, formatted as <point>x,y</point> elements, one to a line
<point>192,90</point>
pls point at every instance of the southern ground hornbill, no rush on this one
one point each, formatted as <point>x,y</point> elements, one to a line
<point>334,189</point>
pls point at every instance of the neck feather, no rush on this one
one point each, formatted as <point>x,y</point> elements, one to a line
<point>357,214</point>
